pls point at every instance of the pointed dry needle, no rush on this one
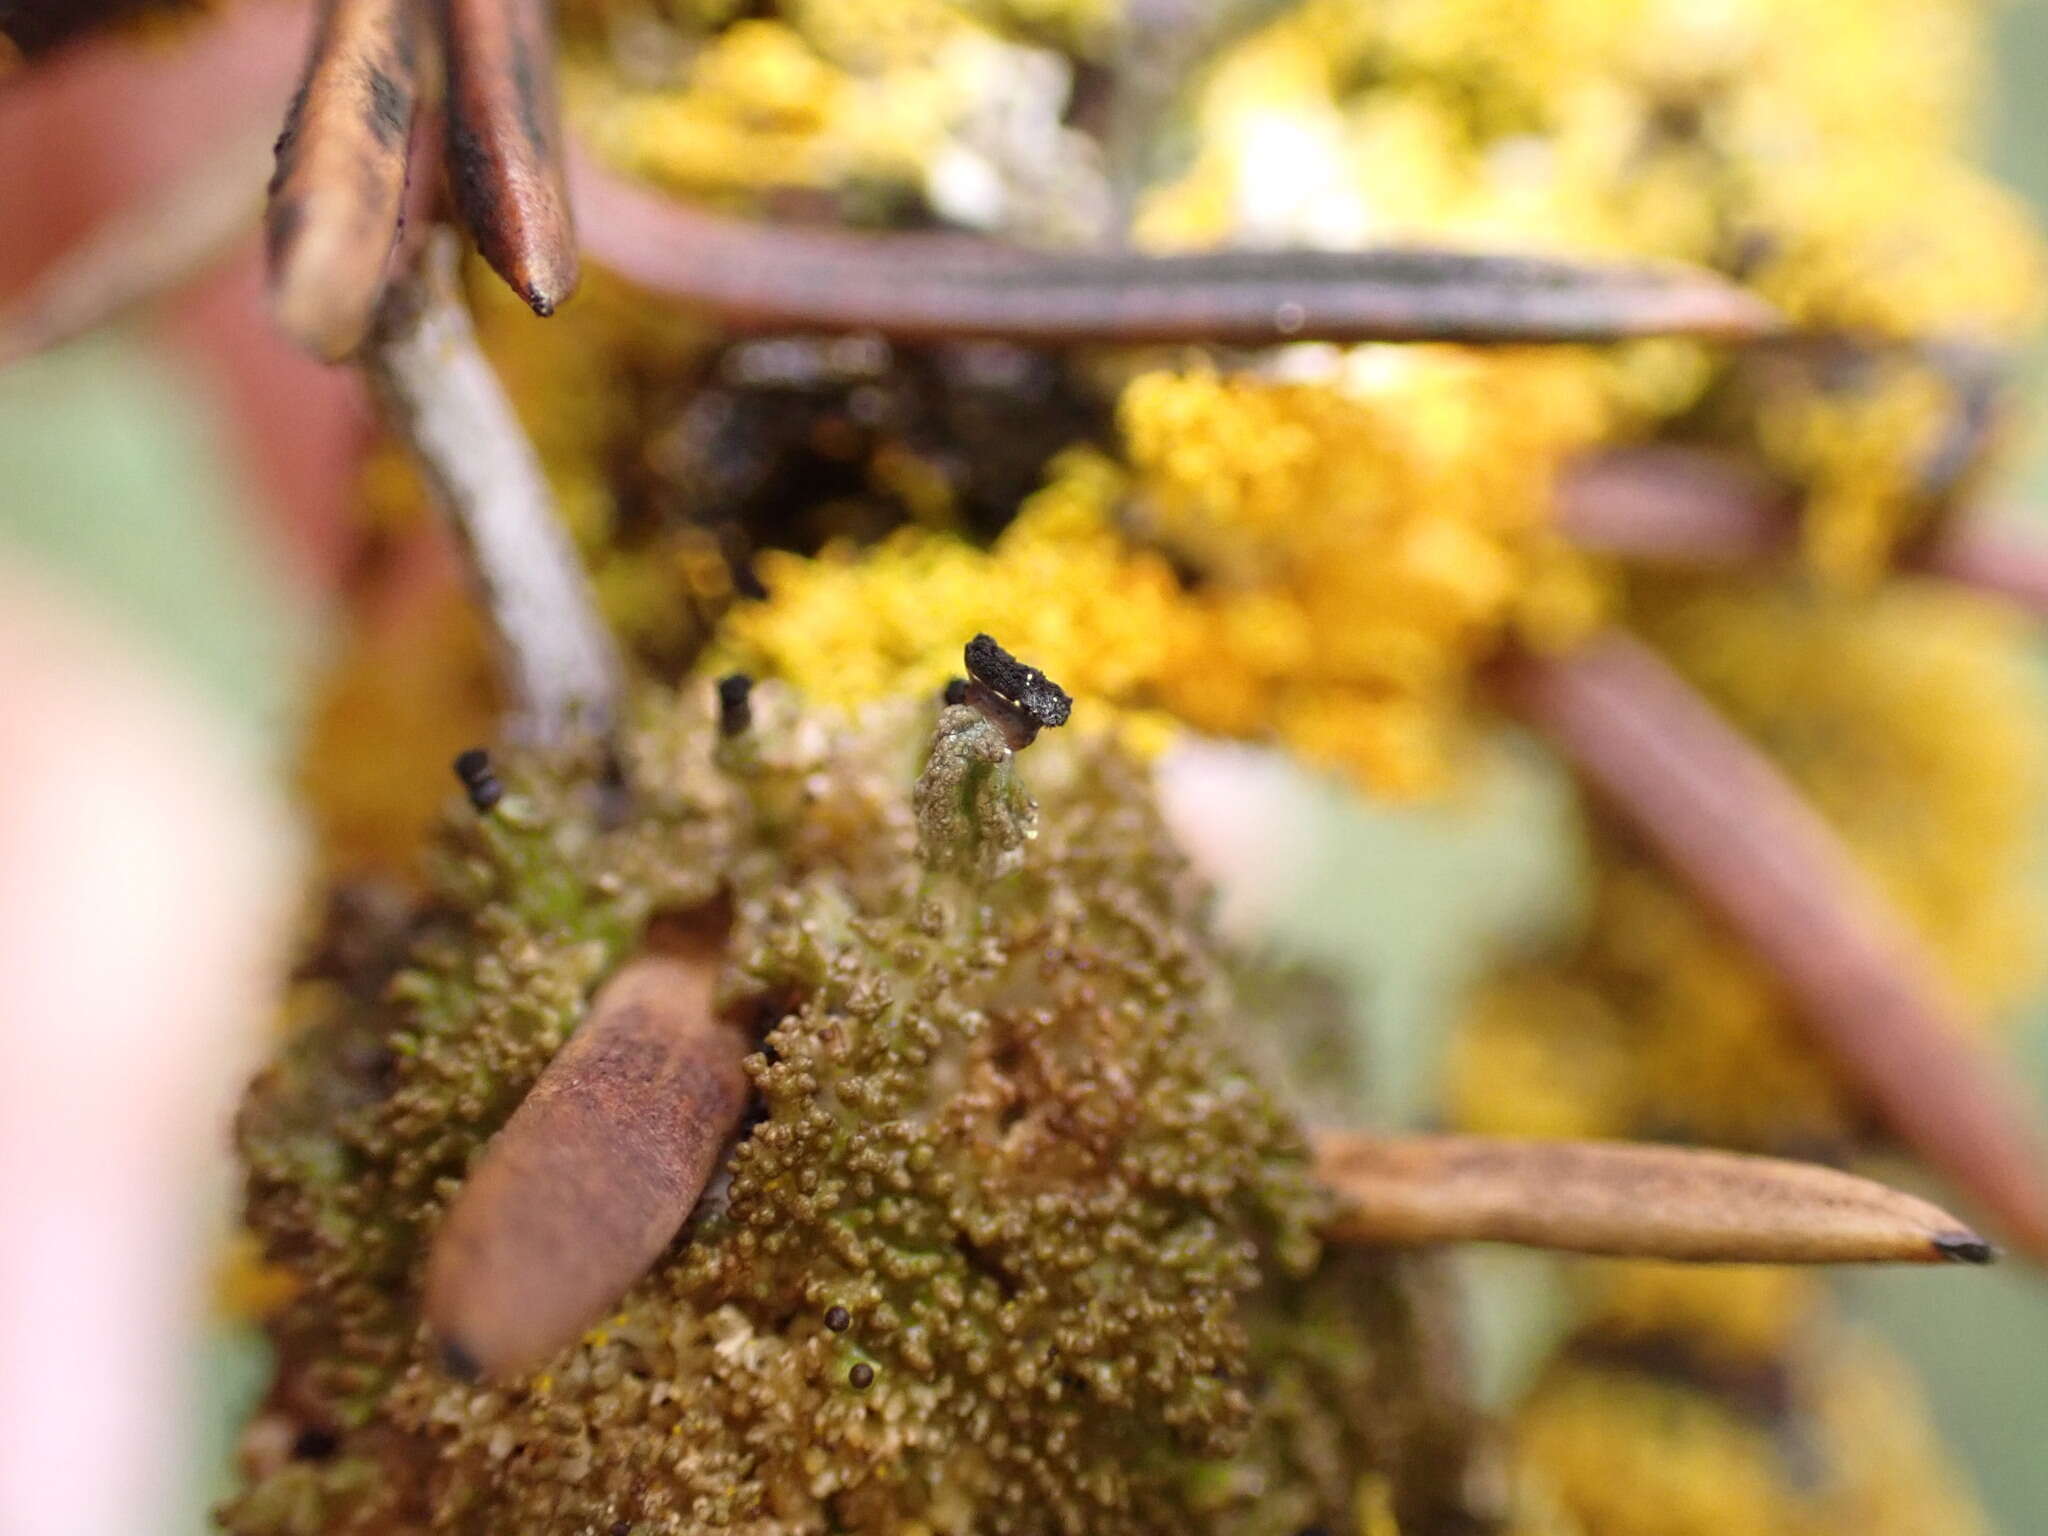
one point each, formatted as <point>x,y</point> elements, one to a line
<point>594,1174</point>
<point>913,286</point>
<point>1630,1200</point>
<point>339,187</point>
<point>505,144</point>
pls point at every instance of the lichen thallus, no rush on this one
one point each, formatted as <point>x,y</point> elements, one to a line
<point>604,1160</point>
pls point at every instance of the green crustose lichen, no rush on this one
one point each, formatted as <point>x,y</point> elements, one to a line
<point>1013,1242</point>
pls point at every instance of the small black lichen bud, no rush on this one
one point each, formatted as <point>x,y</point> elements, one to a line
<point>838,1319</point>
<point>1026,687</point>
<point>459,1363</point>
<point>861,1377</point>
<point>473,768</point>
<point>735,710</point>
<point>956,691</point>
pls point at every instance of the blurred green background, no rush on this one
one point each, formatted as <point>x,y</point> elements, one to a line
<point>111,468</point>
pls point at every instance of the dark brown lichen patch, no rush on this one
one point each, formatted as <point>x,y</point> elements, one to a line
<point>994,1255</point>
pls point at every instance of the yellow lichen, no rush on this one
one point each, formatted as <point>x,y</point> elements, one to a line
<point>1810,149</point>
<point>1906,719</point>
<point>1817,1432</point>
<point>1318,563</point>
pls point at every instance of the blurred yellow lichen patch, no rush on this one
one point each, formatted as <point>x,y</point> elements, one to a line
<point>1732,1315</point>
<point>1729,1403</point>
<point>246,1286</point>
<point>1811,150</point>
<point>1319,563</point>
<point>1860,456</point>
<point>749,110</point>
<point>408,690</point>
<point>1909,720</point>
<point>877,102</point>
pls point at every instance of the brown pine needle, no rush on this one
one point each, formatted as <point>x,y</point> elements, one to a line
<point>1628,1200</point>
<point>1728,824</point>
<point>341,173</point>
<point>30,29</point>
<point>505,145</point>
<point>141,252</point>
<point>920,286</point>
<point>2004,565</point>
<point>441,398</point>
<point>593,1175</point>
<point>1668,504</point>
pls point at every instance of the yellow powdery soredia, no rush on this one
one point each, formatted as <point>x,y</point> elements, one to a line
<point>1814,151</point>
<point>1318,563</point>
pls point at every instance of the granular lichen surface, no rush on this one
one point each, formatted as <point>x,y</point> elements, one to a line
<point>1011,1242</point>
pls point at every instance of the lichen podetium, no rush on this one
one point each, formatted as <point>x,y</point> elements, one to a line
<point>1012,1241</point>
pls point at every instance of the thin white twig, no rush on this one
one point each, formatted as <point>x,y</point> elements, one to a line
<point>441,397</point>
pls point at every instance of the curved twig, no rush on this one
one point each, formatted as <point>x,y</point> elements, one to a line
<point>1673,504</point>
<point>440,396</point>
<point>1701,508</point>
<point>1974,555</point>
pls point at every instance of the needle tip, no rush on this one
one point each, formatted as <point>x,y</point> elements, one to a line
<point>550,275</point>
<point>1965,1248</point>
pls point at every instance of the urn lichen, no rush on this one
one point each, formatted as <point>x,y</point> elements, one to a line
<point>1010,1242</point>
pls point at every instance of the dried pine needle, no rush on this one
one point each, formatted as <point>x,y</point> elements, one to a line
<point>912,286</point>
<point>505,145</point>
<point>1728,823</point>
<point>336,197</point>
<point>1628,1200</point>
<point>592,1176</point>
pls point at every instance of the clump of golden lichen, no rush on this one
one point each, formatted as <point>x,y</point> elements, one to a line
<point>1321,562</point>
<point>1815,151</point>
<point>1316,546</point>
<point>1731,1403</point>
<point>893,111</point>
<point>1904,718</point>
<point>1012,1243</point>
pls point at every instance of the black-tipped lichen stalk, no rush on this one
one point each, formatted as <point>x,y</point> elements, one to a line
<point>973,814</point>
